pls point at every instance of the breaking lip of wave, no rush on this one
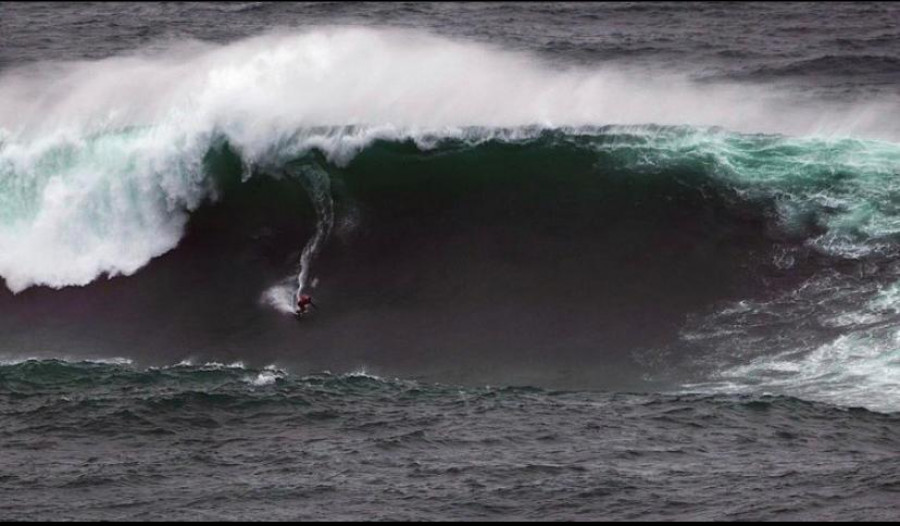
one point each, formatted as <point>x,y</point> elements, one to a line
<point>271,85</point>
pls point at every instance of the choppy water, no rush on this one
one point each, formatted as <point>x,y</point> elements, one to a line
<point>208,442</point>
<point>598,261</point>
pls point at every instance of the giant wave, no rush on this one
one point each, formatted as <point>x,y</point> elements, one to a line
<point>501,182</point>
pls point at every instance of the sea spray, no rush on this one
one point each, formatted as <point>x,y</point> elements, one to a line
<point>317,183</point>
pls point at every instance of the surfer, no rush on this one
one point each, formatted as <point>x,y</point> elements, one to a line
<point>304,302</point>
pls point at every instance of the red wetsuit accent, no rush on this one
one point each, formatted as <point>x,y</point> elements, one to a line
<point>303,303</point>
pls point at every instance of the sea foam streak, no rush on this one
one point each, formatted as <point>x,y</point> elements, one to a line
<point>101,162</point>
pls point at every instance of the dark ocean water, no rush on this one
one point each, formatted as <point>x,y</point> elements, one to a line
<point>632,261</point>
<point>221,442</point>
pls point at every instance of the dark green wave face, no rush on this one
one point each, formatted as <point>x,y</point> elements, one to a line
<point>613,258</point>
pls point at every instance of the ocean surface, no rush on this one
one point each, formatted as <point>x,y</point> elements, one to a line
<point>619,261</point>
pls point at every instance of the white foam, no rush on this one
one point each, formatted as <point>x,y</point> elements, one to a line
<point>110,361</point>
<point>265,377</point>
<point>362,373</point>
<point>857,369</point>
<point>281,297</point>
